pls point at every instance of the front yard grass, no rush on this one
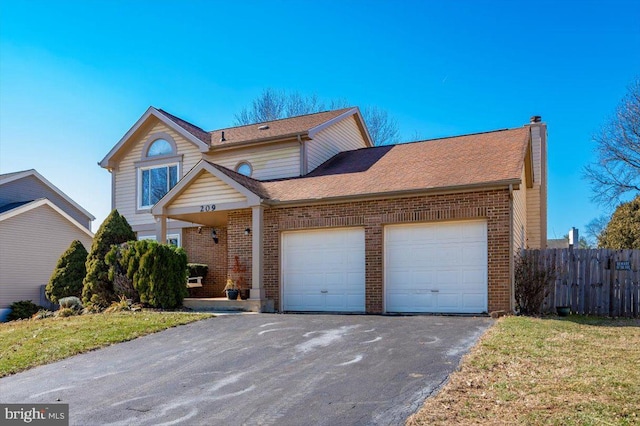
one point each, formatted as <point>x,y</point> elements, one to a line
<point>574,371</point>
<point>25,344</point>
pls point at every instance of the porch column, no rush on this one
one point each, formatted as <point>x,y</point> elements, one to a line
<point>161,229</point>
<point>257,291</point>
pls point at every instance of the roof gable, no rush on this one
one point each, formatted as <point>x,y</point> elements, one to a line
<point>16,176</point>
<point>230,192</point>
<point>187,130</point>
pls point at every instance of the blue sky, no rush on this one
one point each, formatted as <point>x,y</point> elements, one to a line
<point>76,75</point>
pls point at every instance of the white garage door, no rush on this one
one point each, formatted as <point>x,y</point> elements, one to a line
<point>436,267</point>
<point>323,270</point>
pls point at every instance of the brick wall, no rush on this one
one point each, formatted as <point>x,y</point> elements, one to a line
<point>373,215</point>
<point>201,248</point>
<point>239,244</point>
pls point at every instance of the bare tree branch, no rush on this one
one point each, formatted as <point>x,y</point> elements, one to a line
<point>616,173</point>
<point>275,104</point>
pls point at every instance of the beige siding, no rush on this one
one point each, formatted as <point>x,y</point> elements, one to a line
<point>268,162</point>
<point>202,190</point>
<point>537,195</point>
<point>126,174</point>
<point>30,245</point>
<point>341,136</point>
<point>534,234</point>
<point>520,216</point>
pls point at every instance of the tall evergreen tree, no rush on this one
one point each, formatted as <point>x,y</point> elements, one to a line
<point>623,230</point>
<point>98,288</point>
<point>66,279</point>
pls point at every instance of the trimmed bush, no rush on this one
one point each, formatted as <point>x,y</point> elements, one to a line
<point>23,309</point>
<point>66,279</point>
<point>98,288</point>
<point>197,269</point>
<point>158,271</point>
<point>71,302</point>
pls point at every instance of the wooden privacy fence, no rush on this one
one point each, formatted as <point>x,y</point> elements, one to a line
<point>600,282</point>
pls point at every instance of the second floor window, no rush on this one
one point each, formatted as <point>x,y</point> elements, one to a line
<point>155,182</point>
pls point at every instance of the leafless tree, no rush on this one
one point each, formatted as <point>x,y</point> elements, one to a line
<point>616,173</point>
<point>275,104</point>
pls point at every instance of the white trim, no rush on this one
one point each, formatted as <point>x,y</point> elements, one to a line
<point>34,173</point>
<point>38,203</point>
<point>140,169</point>
<point>151,111</point>
<point>312,131</point>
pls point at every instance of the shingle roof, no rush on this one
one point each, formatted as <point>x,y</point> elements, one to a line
<point>253,132</point>
<point>478,159</point>
<point>11,206</point>
<point>196,131</point>
<point>273,129</point>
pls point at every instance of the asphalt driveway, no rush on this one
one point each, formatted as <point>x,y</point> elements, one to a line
<point>258,370</point>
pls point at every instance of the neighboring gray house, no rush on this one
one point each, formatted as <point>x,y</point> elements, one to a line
<point>38,222</point>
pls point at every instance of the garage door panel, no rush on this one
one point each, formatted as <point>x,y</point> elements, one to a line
<point>449,301</point>
<point>448,258</point>
<point>473,301</point>
<point>327,267</point>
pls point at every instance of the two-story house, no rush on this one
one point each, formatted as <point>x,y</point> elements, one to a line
<point>322,220</point>
<point>38,222</point>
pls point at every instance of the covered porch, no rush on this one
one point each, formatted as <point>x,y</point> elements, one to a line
<point>227,230</point>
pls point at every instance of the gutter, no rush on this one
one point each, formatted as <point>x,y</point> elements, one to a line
<point>512,277</point>
<point>253,142</point>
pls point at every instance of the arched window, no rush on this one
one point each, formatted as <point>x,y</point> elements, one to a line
<point>244,168</point>
<point>159,147</point>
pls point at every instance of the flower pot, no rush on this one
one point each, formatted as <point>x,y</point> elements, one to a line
<point>232,294</point>
<point>563,311</point>
<point>244,293</point>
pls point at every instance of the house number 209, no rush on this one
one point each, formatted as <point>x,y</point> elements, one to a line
<point>207,208</point>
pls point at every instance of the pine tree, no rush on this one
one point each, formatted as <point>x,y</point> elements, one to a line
<point>98,288</point>
<point>66,279</point>
<point>623,230</point>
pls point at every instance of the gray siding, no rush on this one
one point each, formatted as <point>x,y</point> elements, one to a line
<point>31,188</point>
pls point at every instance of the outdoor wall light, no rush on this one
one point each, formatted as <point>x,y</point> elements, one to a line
<point>214,235</point>
<point>247,231</point>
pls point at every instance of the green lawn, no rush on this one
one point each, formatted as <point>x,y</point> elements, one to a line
<point>25,344</point>
<point>574,371</point>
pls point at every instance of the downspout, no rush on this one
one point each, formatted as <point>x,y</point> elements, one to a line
<point>512,303</point>
<point>303,156</point>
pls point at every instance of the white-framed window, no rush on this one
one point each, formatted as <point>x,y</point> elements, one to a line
<point>172,239</point>
<point>154,182</point>
<point>244,168</point>
<point>157,171</point>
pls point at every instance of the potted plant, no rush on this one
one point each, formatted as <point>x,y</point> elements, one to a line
<point>231,289</point>
<point>239,271</point>
<point>563,311</point>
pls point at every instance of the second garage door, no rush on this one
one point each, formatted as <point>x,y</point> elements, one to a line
<point>436,267</point>
<point>323,270</point>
